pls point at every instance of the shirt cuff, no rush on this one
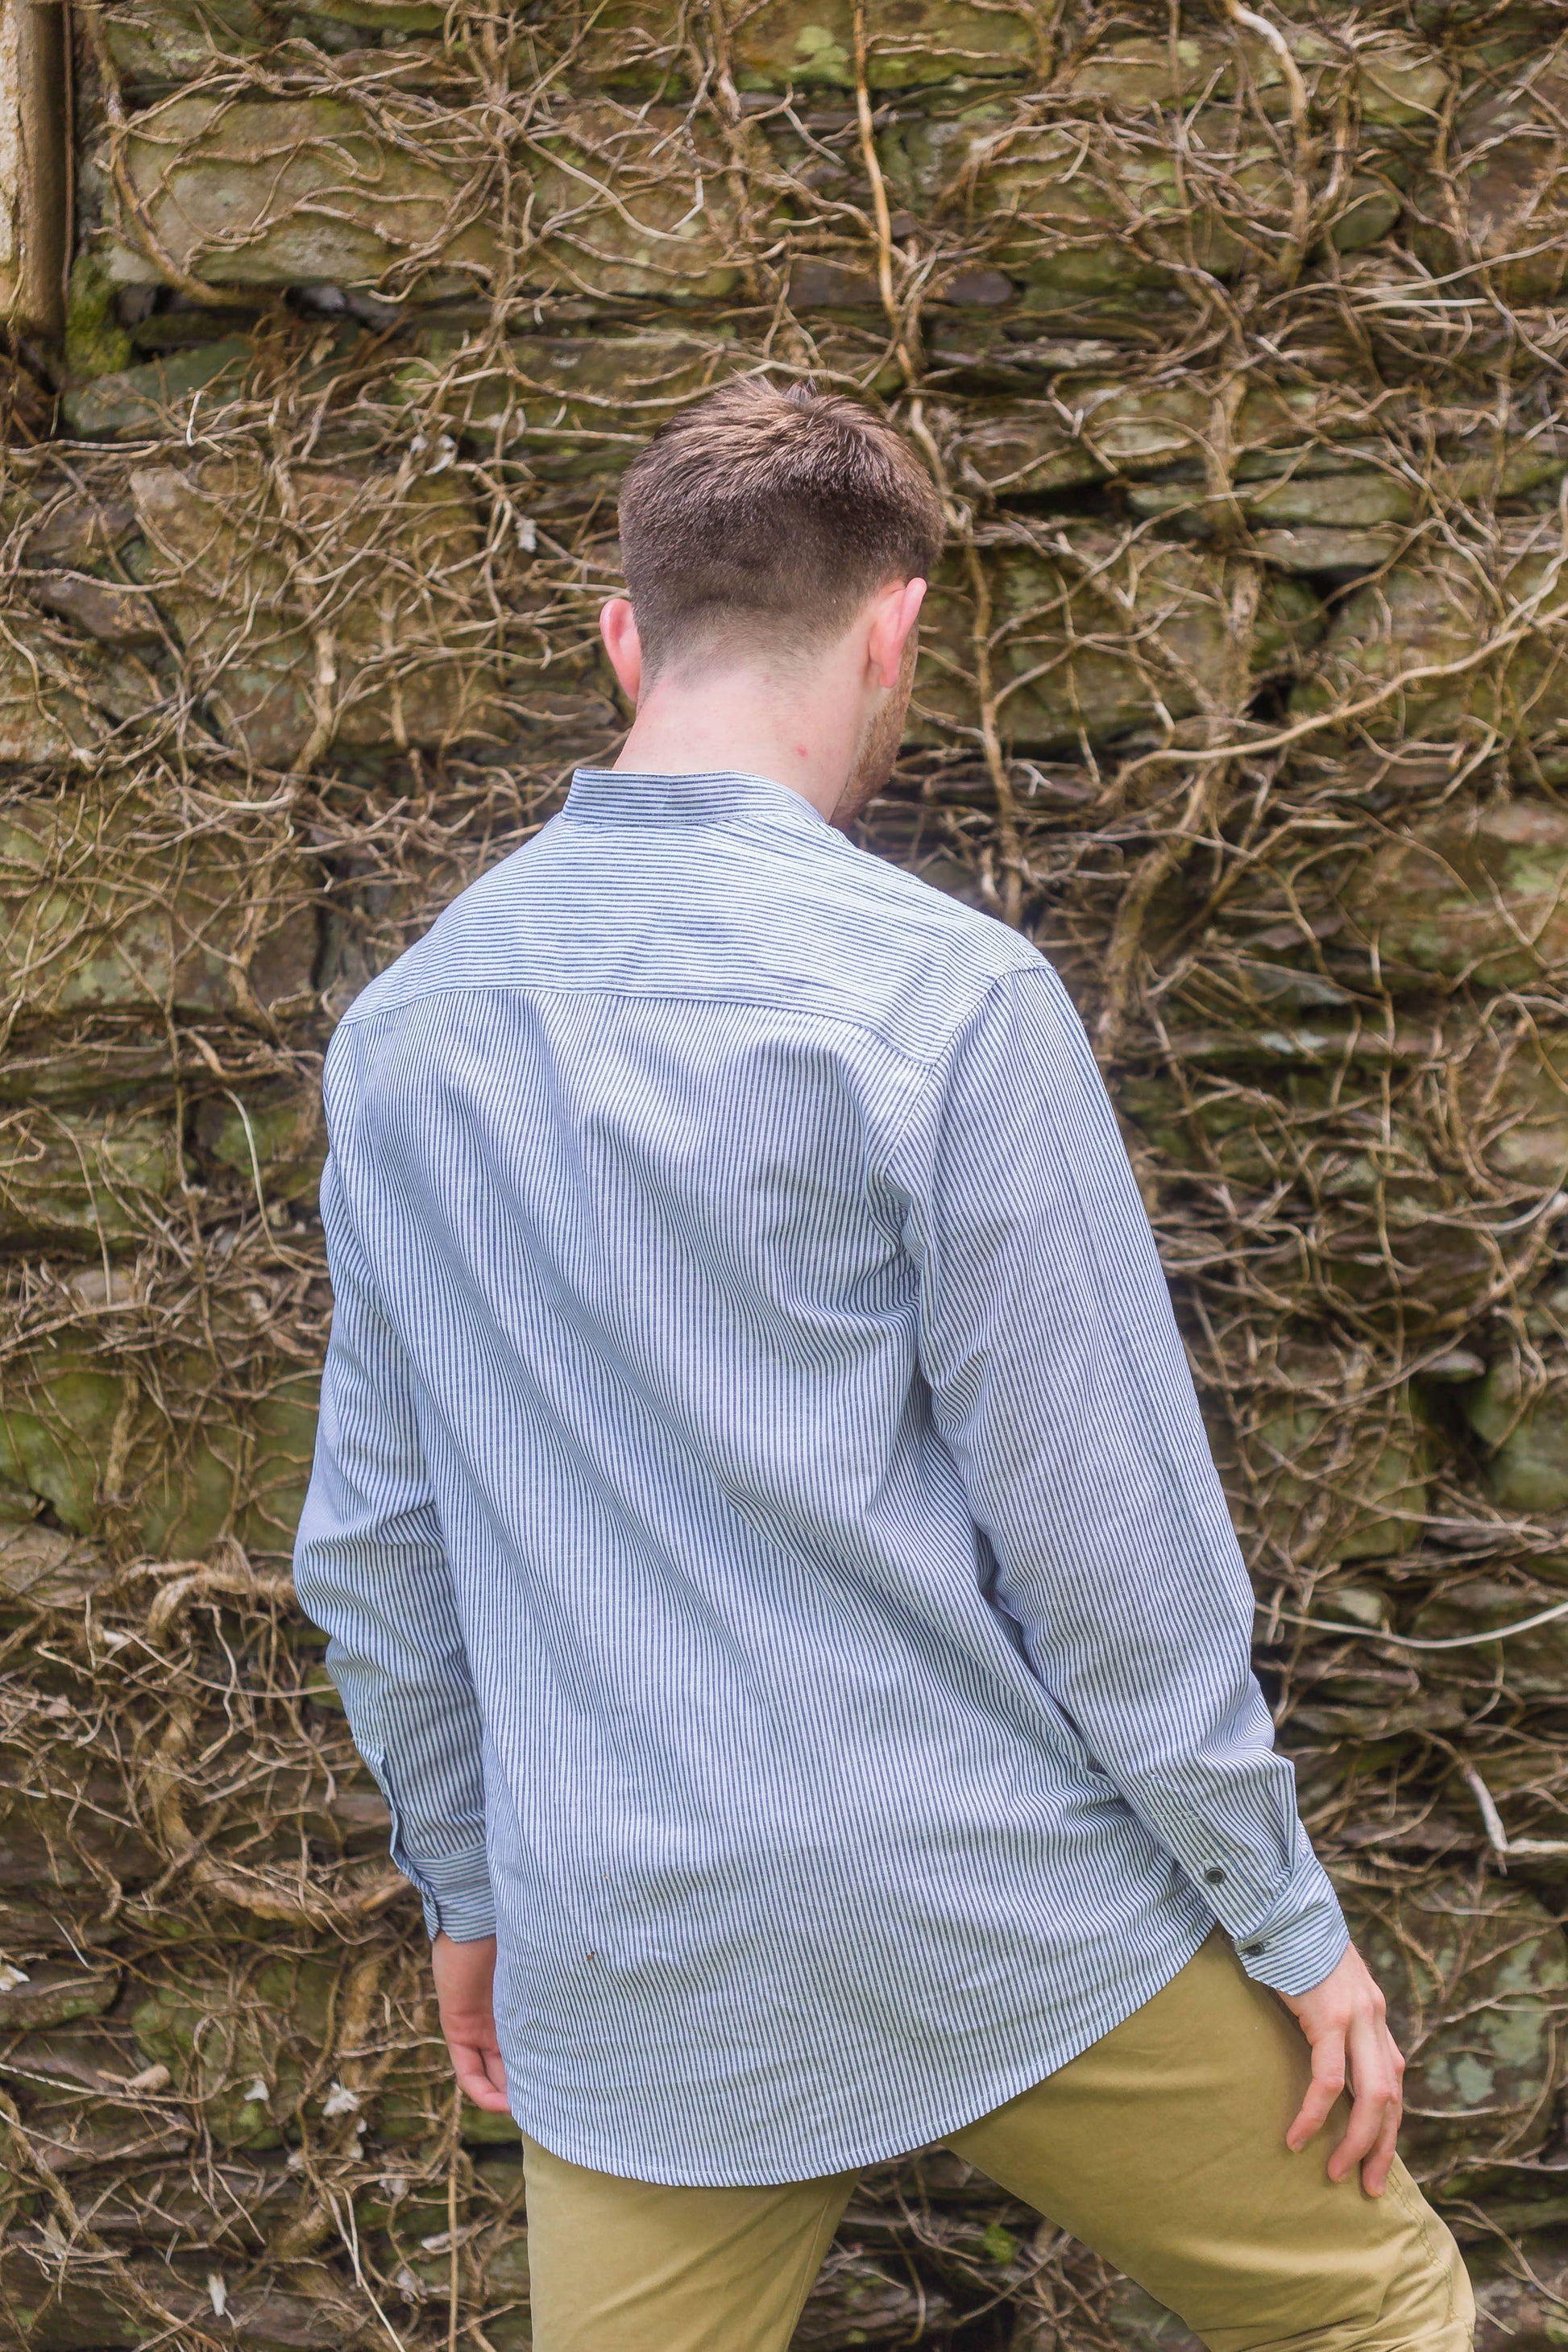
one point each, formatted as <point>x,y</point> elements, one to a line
<point>456,1893</point>
<point>1302,1943</point>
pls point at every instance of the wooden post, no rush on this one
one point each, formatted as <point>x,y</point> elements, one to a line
<point>35,165</point>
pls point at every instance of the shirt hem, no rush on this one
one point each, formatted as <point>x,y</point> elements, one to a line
<point>853,2154</point>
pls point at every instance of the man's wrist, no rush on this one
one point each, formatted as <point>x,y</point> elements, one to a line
<point>1296,1958</point>
<point>458,1900</point>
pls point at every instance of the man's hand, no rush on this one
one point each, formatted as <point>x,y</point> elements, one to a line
<point>465,1975</point>
<point>1342,2019</point>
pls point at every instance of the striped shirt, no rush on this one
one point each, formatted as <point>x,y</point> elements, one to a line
<point>775,1566</point>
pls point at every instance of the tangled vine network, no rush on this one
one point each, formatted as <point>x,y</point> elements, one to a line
<point>1234,338</point>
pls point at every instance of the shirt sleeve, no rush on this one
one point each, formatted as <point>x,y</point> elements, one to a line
<point>370,1569</point>
<point>1060,1385</point>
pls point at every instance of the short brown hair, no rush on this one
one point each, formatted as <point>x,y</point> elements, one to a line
<point>766,516</point>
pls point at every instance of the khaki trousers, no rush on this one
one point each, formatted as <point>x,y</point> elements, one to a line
<point>1162,2147</point>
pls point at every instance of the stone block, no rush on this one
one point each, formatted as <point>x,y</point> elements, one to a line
<point>159,43</point>
<point>1521,1415</point>
<point>633,202</point>
<point>1097,428</point>
<point>1525,2307</point>
<point>1473,892</point>
<point>1094,639</point>
<point>64,703</point>
<point>239,2051</point>
<point>111,903</point>
<point>57,1994</point>
<point>1476,1972</point>
<point>74,1838</point>
<point>574,406</point>
<point>342,606</point>
<point>1495,224</point>
<point>1073,212</point>
<point>196,1447</point>
<point>45,1568</point>
<point>809,44</point>
<point>1332,1461</point>
<point>83,1180</point>
<point>1398,84</point>
<point>152,400</point>
<point>239,190</point>
<point>1349,1199</point>
<point>1527,1666</point>
<point>1408,652</point>
<point>403,197</point>
<point>274,1138</point>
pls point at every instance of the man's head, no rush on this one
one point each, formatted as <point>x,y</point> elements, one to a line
<point>784,537</point>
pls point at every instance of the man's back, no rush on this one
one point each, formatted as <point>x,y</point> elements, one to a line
<point>773,1563</point>
<point>784,1580</point>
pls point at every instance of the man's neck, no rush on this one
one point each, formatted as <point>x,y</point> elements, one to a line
<point>801,733</point>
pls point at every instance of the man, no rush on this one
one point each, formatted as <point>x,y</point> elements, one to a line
<point>775,1566</point>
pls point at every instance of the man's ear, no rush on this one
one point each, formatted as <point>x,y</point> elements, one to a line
<point>618,628</point>
<point>893,614</point>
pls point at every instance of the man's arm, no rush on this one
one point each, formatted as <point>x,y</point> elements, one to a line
<point>1059,1382</point>
<point>370,1567</point>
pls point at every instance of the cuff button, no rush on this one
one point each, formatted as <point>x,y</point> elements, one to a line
<point>1251,1951</point>
<point>1214,1877</point>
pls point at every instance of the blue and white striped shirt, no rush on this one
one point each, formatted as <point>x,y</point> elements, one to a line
<point>775,1565</point>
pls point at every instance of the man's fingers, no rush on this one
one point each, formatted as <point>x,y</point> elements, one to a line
<point>1328,2080</point>
<point>1376,2169</point>
<point>1345,2019</point>
<point>1375,2081</point>
<point>1367,2057</point>
<point>481,2076</point>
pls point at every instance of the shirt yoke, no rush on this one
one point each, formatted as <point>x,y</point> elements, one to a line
<point>783,914</point>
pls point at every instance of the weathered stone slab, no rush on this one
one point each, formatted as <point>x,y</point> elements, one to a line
<point>405,197</point>
<point>79,2303</point>
<point>43,1568</point>
<point>1520,1414</point>
<point>1530,1666</point>
<point>1071,212</point>
<point>1100,427</point>
<point>139,402</point>
<point>810,44</point>
<point>251,191</point>
<point>109,903</point>
<point>336,606</point>
<point>1476,1972</point>
<point>1510,1102</point>
<point>196,1448</point>
<point>83,1180</point>
<point>1450,646</point>
<point>1398,84</point>
<point>56,1994</point>
<point>69,1838</point>
<point>573,405</point>
<point>1351,1198</point>
<point>1524,2308</point>
<point>1319,508</point>
<point>1095,638</point>
<point>630,201</point>
<point>62,702</point>
<point>1335,1464</point>
<point>1495,225</point>
<point>164,42</point>
<point>1476,892</point>
<point>274,1138</point>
